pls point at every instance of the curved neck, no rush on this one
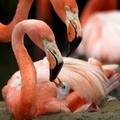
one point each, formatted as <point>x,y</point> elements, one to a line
<point>42,13</point>
<point>22,11</point>
<point>28,74</point>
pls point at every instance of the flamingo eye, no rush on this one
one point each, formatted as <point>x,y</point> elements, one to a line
<point>63,91</point>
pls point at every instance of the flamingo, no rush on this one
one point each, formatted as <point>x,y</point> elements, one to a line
<point>101,37</point>
<point>23,99</point>
<point>94,6</point>
<point>29,92</point>
<point>67,10</point>
<point>22,11</point>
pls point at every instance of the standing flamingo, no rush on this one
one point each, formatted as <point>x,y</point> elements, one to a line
<point>67,10</point>
<point>23,99</point>
<point>22,11</point>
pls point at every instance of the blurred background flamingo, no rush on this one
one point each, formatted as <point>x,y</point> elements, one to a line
<point>94,6</point>
<point>101,37</point>
<point>100,26</point>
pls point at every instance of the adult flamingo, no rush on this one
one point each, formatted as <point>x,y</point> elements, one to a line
<point>22,12</point>
<point>101,33</point>
<point>67,10</point>
<point>94,6</point>
<point>25,97</point>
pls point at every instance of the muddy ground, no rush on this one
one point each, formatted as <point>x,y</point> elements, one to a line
<point>109,111</point>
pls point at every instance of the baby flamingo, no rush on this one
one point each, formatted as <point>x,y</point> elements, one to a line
<point>23,100</point>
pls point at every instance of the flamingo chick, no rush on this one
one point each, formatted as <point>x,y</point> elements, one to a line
<point>22,11</point>
<point>67,10</point>
<point>22,101</point>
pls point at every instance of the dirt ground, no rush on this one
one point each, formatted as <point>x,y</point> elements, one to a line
<point>109,111</point>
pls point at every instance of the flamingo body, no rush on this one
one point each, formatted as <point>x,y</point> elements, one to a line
<point>88,82</point>
<point>101,37</point>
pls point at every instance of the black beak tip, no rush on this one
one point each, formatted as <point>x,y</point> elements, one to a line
<point>54,72</point>
<point>73,45</point>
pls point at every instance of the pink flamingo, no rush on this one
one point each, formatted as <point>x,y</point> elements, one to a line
<point>22,101</point>
<point>101,37</point>
<point>90,82</point>
<point>94,6</point>
<point>67,10</point>
<point>29,93</point>
<point>22,11</point>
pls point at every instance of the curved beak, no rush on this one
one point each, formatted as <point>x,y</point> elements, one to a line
<point>54,57</point>
<point>58,65</point>
<point>74,44</point>
<point>74,31</point>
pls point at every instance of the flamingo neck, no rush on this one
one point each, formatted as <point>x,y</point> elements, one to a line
<point>22,11</point>
<point>28,75</point>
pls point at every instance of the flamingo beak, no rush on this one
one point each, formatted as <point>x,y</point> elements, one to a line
<point>55,71</point>
<point>73,45</point>
<point>55,59</point>
<point>73,30</point>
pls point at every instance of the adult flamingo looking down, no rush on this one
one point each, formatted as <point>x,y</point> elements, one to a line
<point>22,12</point>
<point>43,37</point>
<point>67,10</point>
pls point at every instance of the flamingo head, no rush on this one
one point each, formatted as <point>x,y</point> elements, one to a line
<point>73,28</point>
<point>67,10</point>
<point>54,57</point>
